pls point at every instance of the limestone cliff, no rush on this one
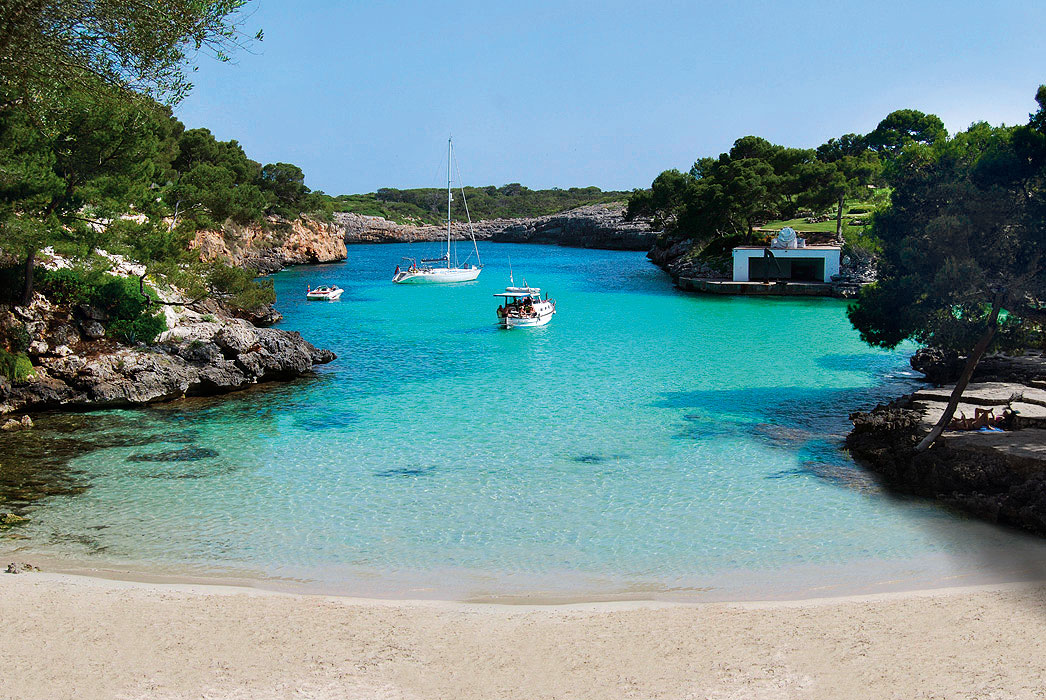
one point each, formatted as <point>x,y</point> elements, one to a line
<point>274,245</point>
<point>593,226</point>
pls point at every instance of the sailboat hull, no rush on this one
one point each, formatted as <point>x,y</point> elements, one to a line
<point>438,275</point>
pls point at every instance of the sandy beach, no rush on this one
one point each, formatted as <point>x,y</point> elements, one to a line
<point>78,637</point>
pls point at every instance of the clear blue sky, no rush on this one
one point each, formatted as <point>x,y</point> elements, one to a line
<point>362,95</point>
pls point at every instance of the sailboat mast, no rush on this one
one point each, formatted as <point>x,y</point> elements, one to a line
<point>449,156</point>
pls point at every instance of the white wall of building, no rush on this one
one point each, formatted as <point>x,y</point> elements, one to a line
<point>743,255</point>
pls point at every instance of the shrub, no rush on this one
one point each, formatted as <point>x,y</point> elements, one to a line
<point>238,288</point>
<point>66,286</point>
<point>15,366</point>
<point>143,329</point>
<point>132,317</point>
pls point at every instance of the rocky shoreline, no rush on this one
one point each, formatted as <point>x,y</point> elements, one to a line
<point>997,476</point>
<point>75,366</point>
<point>594,226</point>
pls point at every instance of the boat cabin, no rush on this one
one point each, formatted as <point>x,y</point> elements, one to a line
<point>787,258</point>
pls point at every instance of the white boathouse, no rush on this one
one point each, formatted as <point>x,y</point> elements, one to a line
<point>787,258</point>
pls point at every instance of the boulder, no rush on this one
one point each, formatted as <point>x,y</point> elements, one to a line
<point>92,313</point>
<point>93,330</point>
<point>236,339</point>
<point>262,317</point>
<point>64,334</point>
<point>11,425</point>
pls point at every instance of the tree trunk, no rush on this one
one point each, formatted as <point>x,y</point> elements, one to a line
<point>839,219</point>
<point>27,289</point>
<point>964,378</point>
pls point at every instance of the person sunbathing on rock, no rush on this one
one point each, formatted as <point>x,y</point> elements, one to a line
<point>983,419</point>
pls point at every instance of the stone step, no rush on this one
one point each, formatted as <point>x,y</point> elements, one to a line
<point>986,394</point>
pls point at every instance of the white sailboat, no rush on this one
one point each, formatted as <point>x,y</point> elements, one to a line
<point>445,268</point>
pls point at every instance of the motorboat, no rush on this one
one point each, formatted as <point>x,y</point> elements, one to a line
<point>326,292</point>
<point>523,307</point>
<point>445,268</point>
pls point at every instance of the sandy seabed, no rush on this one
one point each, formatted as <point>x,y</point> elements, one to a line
<point>78,637</point>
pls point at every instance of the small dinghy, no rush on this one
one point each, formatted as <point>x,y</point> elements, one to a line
<point>324,293</point>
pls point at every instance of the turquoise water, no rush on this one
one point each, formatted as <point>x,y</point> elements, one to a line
<point>645,440</point>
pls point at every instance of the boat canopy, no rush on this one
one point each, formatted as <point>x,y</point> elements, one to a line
<point>520,292</point>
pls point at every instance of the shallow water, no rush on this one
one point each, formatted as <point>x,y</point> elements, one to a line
<point>645,442</point>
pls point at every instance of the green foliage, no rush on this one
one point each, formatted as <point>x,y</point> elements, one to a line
<point>213,181</point>
<point>284,186</point>
<point>718,252</point>
<point>142,329</point>
<point>903,127</point>
<point>122,47</point>
<point>429,205</point>
<point>758,182</point>
<point>121,298</point>
<point>67,287</point>
<point>964,231</point>
<point>132,317</point>
<point>662,202</point>
<point>238,288</point>
<point>16,366</point>
<point>91,160</point>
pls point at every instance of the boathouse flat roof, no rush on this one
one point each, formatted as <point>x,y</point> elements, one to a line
<point>785,250</point>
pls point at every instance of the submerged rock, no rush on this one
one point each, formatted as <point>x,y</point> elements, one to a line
<point>9,519</point>
<point>185,454</point>
<point>11,424</point>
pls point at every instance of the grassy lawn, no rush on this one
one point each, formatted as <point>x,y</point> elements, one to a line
<point>855,210</point>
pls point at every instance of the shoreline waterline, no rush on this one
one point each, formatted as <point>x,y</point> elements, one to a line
<point>793,584</point>
<point>119,580</point>
<point>704,463</point>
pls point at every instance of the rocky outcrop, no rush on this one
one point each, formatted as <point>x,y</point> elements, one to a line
<point>945,366</point>
<point>593,226</point>
<point>998,476</point>
<point>680,259</point>
<point>271,246</point>
<point>200,355</point>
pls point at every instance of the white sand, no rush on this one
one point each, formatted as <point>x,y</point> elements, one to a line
<point>74,637</point>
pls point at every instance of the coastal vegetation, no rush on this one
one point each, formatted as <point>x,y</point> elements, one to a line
<point>963,240</point>
<point>92,162</point>
<point>758,184</point>
<point>428,205</point>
